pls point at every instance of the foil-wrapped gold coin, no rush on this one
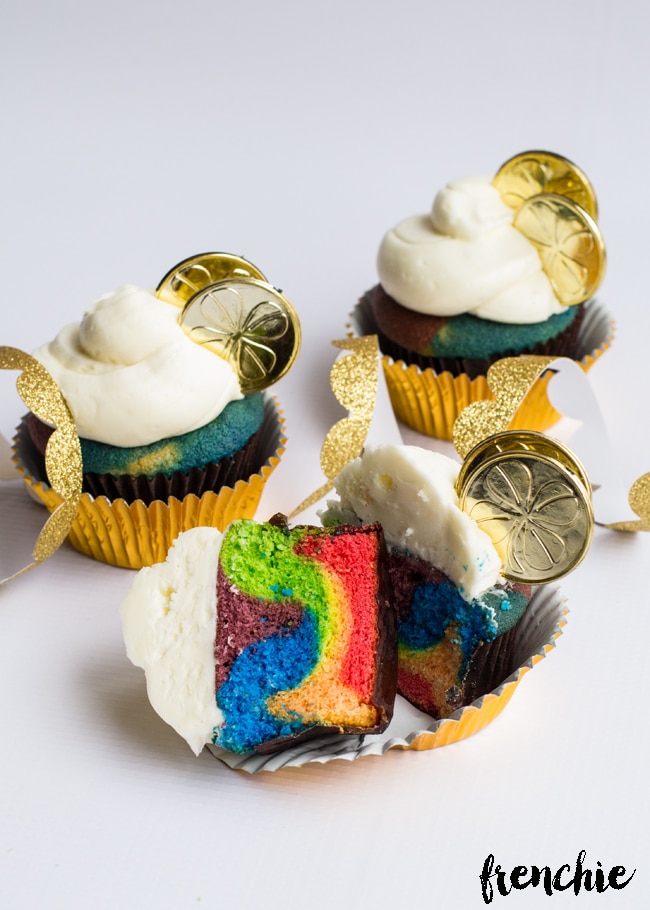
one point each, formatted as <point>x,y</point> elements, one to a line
<point>191,275</point>
<point>531,173</point>
<point>532,497</point>
<point>250,324</point>
<point>569,243</point>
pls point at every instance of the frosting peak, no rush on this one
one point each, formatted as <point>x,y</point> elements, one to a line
<point>466,257</point>
<point>130,374</point>
<point>468,207</point>
<point>126,326</point>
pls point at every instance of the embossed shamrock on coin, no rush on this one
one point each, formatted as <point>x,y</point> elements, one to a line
<point>194,274</point>
<point>250,324</point>
<point>531,173</point>
<point>569,243</point>
<point>532,497</point>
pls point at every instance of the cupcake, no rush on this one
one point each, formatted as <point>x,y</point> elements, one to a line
<point>175,430</point>
<point>259,639</point>
<point>264,636</point>
<point>457,616</point>
<point>501,267</point>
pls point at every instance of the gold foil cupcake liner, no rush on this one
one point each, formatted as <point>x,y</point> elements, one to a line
<point>430,402</point>
<point>133,535</point>
<point>534,636</point>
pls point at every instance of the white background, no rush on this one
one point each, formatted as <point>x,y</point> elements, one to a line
<point>137,133</point>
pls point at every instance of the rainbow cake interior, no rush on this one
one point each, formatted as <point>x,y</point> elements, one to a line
<point>262,636</point>
<point>301,640</point>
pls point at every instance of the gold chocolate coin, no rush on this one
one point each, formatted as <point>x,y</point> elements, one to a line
<point>569,244</point>
<point>531,173</point>
<point>533,498</point>
<point>191,275</point>
<point>250,324</point>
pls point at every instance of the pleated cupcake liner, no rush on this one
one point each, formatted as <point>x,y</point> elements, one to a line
<point>139,533</point>
<point>562,345</point>
<point>534,636</point>
<point>430,401</point>
<point>223,473</point>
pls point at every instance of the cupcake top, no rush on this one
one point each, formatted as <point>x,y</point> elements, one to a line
<point>131,375</point>
<point>411,492</point>
<point>466,257</point>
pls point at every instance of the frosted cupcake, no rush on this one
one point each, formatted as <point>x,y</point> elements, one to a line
<point>169,437</point>
<point>478,279</point>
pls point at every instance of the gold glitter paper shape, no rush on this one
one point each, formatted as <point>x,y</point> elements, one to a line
<point>353,380</point>
<point>510,380</point>
<point>63,467</point>
<point>639,500</point>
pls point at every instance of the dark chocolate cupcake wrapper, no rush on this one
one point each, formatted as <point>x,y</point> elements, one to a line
<point>564,344</point>
<point>136,534</point>
<point>430,401</point>
<point>224,473</point>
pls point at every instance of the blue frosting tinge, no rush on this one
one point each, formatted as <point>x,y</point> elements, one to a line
<point>508,605</point>
<point>279,662</point>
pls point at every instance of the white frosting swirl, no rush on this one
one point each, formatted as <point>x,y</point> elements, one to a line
<point>131,375</point>
<point>466,257</point>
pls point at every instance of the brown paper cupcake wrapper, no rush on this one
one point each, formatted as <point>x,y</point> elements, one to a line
<point>532,639</point>
<point>137,534</point>
<point>430,402</point>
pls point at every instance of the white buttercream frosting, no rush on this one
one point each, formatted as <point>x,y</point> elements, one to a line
<point>466,257</point>
<point>132,376</point>
<point>169,620</point>
<point>412,493</point>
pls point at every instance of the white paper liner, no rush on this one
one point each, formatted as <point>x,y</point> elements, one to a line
<point>539,628</point>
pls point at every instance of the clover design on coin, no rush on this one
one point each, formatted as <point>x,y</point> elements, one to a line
<point>569,243</point>
<point>195,273</point>
<point>531,498</point>
<point>250,324</point>
<point>530,173</point>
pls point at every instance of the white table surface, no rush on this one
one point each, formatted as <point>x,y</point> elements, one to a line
<point>138,133</point>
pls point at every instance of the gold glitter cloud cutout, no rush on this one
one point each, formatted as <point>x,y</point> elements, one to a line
<point>639,500</point>
<point>43,397</point>
<point>510,380</point>
<point>353,380</point>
